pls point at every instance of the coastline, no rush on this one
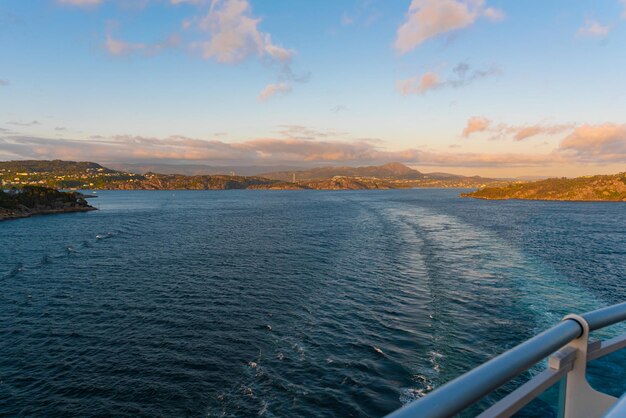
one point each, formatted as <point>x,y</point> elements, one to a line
<point>11,215</point>
<point>465,195</point>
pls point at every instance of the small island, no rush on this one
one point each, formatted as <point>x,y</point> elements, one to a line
<point>610,188</point>
<point>38,200</point>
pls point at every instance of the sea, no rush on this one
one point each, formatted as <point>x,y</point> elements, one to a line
<point>246,303</point>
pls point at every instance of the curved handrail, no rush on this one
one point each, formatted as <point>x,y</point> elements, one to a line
<point>455,396</point>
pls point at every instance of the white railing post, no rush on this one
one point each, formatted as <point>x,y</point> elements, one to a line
<point>581,400</point>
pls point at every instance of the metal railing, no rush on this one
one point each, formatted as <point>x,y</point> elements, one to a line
<point>567,344</point>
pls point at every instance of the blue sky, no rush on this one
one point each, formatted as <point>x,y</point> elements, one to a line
<point>467,86</point>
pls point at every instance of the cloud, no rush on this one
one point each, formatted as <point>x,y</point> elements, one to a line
<point>142,149</point>
<point>272,89</point>
<point>196,2</point>
<point>421,85</point>
<point>623,2</point>
<point>80,2</point>
<point>308,134</point>
<point>426,19</point>
<point>593,29</point>
<point>262,151</point>
<point>477,124</point>
<point>462,75</point>
<point>604,142</point>
<point>521,133</point>
<point>20,123</point>
<point>4,82</point>
<point>339,108</point>
<point>234,35</point>
<point>119,48</point>
<point>227,32</point>
<point>363,13</point>
<point>346,20</point>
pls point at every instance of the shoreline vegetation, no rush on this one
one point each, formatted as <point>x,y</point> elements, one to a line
<point>605,188</point>
<point>36,200</point>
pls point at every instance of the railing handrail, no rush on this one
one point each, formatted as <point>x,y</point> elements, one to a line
<point>467,389</point>
<point>604,317</point>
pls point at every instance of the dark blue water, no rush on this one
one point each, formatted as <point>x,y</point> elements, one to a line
<point>288,303</point>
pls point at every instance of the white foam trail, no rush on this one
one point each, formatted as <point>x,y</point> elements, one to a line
<point>545,292</point>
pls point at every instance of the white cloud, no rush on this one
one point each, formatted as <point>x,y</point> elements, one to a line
<point>225,31</point>
<point>234,34</point>
<point>430,18</point>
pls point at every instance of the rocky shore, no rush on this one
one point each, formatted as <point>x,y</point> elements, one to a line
<point>609,188</point>
<point>35,200</point>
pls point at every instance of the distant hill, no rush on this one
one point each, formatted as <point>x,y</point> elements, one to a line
<point>52,166</point>
<point>588,188</point>
<point>59,174</point>
<point>389,171</point>
<point>196,169</point>
<point>154,181</point>
<point>89,175</point>
<point>386,171</point>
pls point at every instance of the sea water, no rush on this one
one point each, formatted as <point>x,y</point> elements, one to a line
<point>290,303</point>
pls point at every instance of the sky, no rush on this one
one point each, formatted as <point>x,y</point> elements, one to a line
<point>475,87</point>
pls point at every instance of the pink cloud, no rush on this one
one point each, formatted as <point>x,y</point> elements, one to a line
<point>604,142</point>
<point>261,151</point>
<point>430,18</point>
<point>272,89</point>
<point>119,47</point>
<point>476,124</point>
<point>462,75</point>
<point>525,132</point>
<point>421,85</point>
